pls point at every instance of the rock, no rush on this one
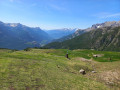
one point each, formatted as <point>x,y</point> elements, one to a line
<point>110,83</point>
<point>98,55</point>
<point>95,56</point>
<point>58,66</point>
<point>82,71</point>
<point>94,72</point>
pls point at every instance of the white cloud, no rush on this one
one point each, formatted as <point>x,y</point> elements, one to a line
<point>104,15</point>
<point>113,15</point>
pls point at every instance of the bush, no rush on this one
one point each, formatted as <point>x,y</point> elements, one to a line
<point>27,49</point>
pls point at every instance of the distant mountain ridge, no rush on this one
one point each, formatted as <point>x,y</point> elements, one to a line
<point>18,36</point>
<point>59,33</point>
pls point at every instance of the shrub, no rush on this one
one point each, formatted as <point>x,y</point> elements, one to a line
<point>27,49</point>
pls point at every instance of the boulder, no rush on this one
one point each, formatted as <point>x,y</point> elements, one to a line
<point>95,56</point>
<point>82,71</point>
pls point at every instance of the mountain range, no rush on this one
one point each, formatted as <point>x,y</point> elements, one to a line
<point>18,36</point>
<point>104,36</point>
<point>94,26</point>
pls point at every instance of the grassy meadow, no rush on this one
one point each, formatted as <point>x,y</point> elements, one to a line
<point>49,69</point>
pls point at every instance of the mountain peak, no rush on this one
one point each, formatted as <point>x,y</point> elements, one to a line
<point>106,24</point>
<point>13,24</point>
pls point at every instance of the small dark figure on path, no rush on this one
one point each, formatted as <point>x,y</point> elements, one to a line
<point>110,59</point>
<point>67,55</point>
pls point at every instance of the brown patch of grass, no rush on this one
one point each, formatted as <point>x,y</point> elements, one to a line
<point>83,59</point>
<point>12,88</point>
<point>111,78</point>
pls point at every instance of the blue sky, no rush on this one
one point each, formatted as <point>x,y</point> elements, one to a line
<point>52,14</point>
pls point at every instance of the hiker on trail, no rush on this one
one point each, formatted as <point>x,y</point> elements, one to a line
<point>67,55</point>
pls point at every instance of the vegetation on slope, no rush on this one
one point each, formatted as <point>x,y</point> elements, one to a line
<point>107,38</point>
<point>48,69</point>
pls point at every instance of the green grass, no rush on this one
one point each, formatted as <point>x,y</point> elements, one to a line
<point>48,69</point>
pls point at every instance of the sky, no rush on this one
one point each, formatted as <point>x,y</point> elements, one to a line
<point>55,14</point>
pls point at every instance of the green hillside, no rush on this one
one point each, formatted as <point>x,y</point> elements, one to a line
<point>106,38</point>
<point>49,69</point>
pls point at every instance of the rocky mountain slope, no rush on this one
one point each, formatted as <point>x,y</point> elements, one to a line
<point>95,26</point>
<point>105,38</point>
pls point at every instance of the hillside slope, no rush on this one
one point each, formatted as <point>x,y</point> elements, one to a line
<point>106,38</point>
<point>48,69</point>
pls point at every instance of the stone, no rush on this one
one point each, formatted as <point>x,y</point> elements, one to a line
<point>94,72</point>
<point>95,56</point>
<point>82,71</point>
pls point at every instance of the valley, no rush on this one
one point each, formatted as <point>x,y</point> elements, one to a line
<point>59,44</point>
